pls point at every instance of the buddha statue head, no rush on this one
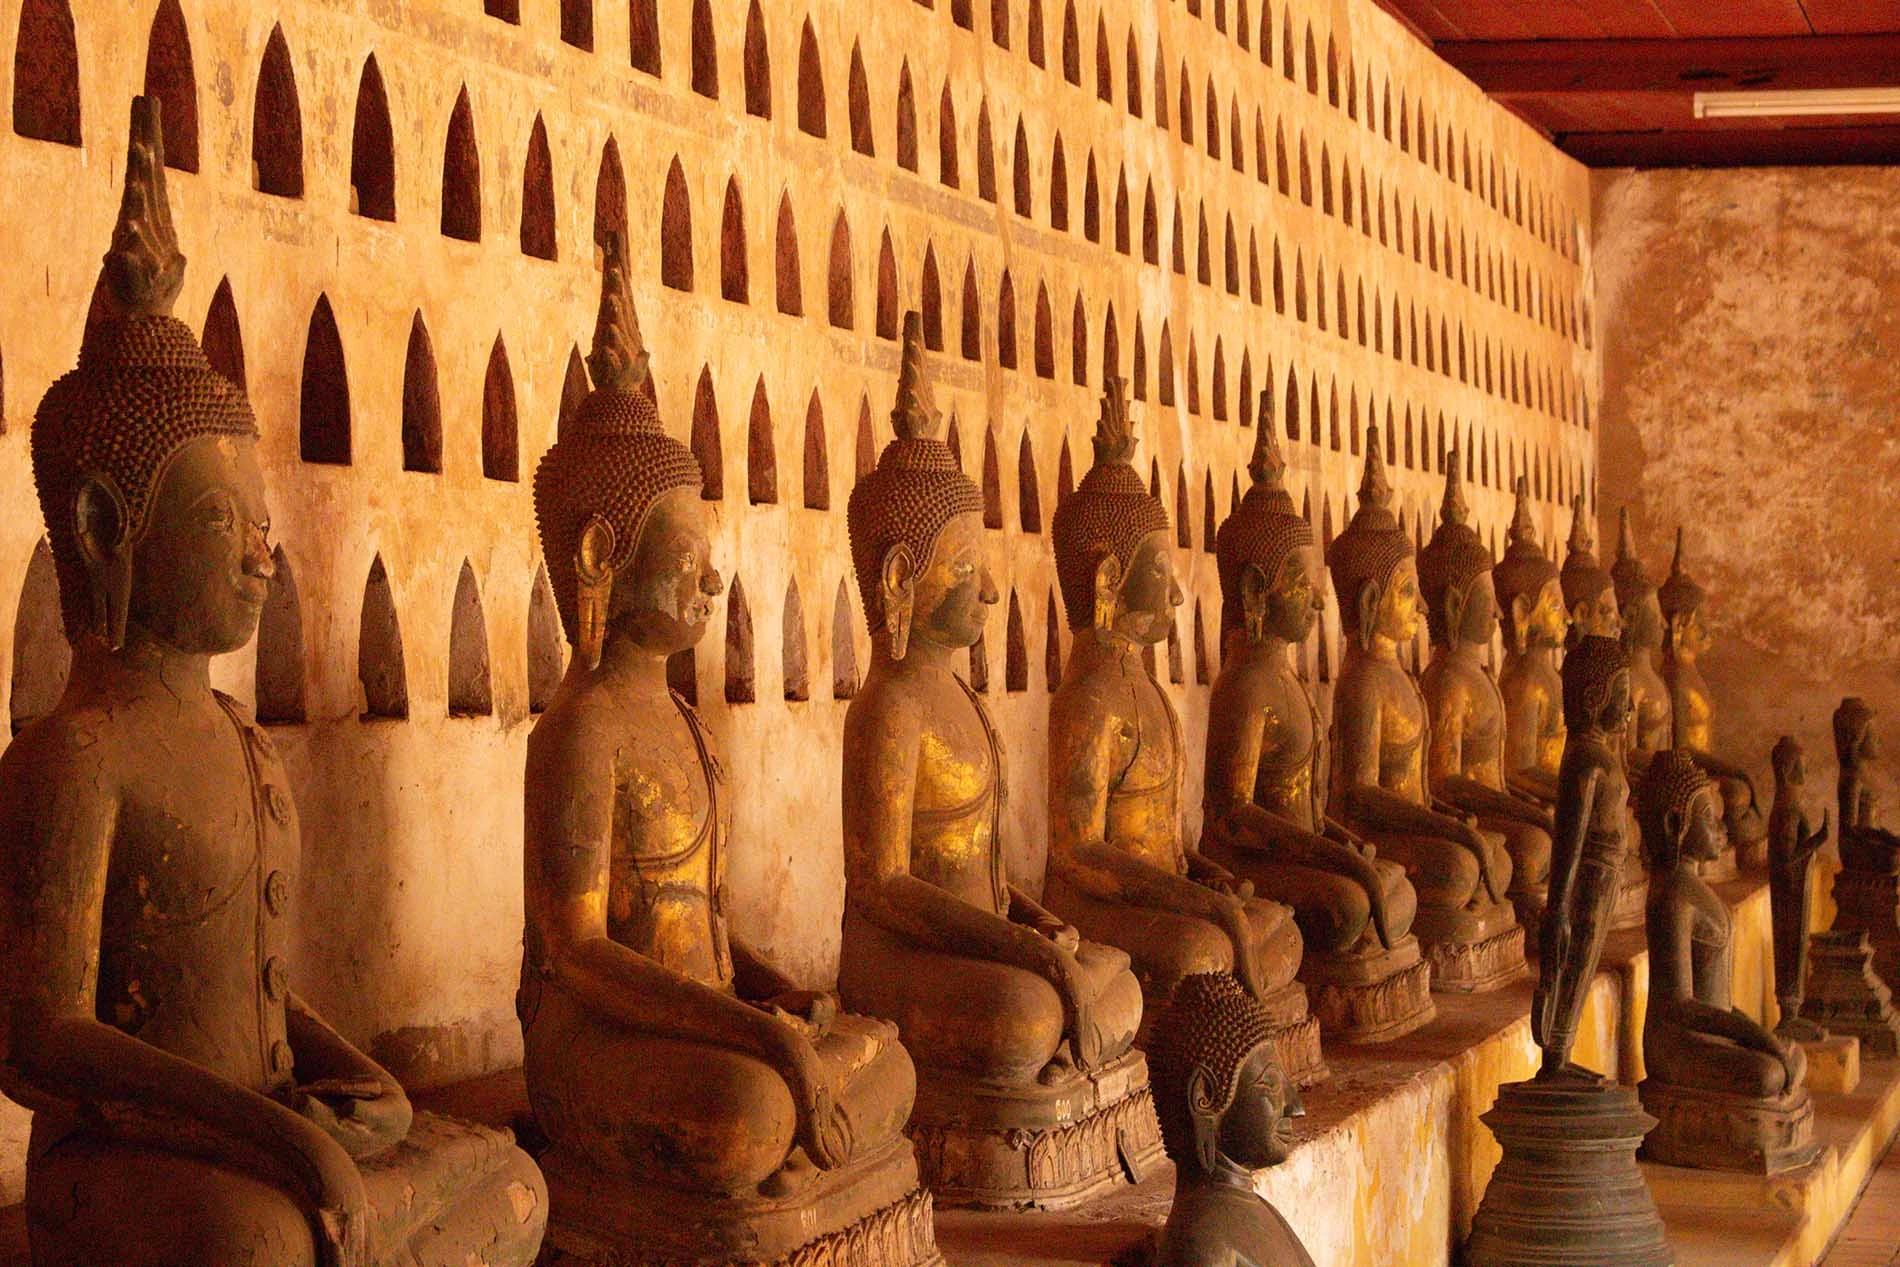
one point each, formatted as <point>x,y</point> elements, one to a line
<point>1678,811</point>
<point>1114,560</point>
<point>916,525</point>
<point>145,458</point>
<point>618,502</point>
<point>1636,601</point>
<point>1596,685</point>
<point>1789,762</point>
<point>1530,597</point>
<point>1589,592</point>
<point>1680,600</point>
<point>1454,571</point>
<point>1854,739</point>
<point>1270,581</point>
<point>1218,1091</point>
<point>1374,572</point>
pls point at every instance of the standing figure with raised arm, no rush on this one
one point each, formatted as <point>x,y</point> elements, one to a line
<point>190,1107</point>
<point>1264,808</point>
<point>1028,1091</point>
<point>1793,840</point>
<point>1381,732</point>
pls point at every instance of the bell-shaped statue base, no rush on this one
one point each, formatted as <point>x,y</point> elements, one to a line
<point>1370,994</point>
<point>1710,1130</point>
<point>1845,994</point>
<point>1568,1189</point>
<point>1870,901</point>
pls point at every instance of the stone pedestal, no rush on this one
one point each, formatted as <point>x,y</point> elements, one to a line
<point>1833,1063</point>
<point>1480,966</point>
<point>1710,1130</point>
<point>1869,901</point>
<point>1844,994</point>
<point>1568,1189</point>
<point>1370,995</point>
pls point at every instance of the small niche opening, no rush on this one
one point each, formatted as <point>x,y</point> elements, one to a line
<point>676,231</point>
<point>734,280</point>
<point>643,36</point>
<point>501,450</point>
<point>758,65</point>
<point>223,340</point>
<point>844,647</point>
<point>421,404</point>
<point>461,175</point>
<point>1052,643</point>
<point>840,303</point>
<point>705,439</point>
<point>323,416</point>
<point>42,658</point>
<point>610,196</point>
<point>577,24</point>
<point>379,661</point>
<point>170,78</point>
<point>790,286</point>
<point>1015,650</point>
<point>704,52</point>
<point>761,452</point>
<point>793,657</point>
<point>276,124</point>
<point>859,104</point>
<point>537,197</point>
<point>817,462</point>
<point>46,74</point>
<point>280,655</point>
<point>471,694</point>
<point>811,85</point>
<point>740,686</point>
<point>372,149</point>
<point>546,660</point>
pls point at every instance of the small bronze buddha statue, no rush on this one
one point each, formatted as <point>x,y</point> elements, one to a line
<point>1119,869</point>
<point>698,1105</point>
<point>1226,1112</point>
<point>1726,1093</point>
<point>1265,778</point>
<point>1535,622</point>
<point>1381,730</point>
<point>1692,710</point>
<point>1465,758</point>
<point>1029,1090</point>
<point>1652,724</point>
<point>1589,591</point>
<point>190,1107</point>
<point>1867,888</point>
<point>1586,873</point>
<point>1793,840</point>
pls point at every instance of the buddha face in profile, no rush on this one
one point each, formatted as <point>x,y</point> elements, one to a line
<point>200,573</point>
<point>1702,835</point>
<point>1688,635</point>
<point>1257,1130</point>
<point>951,594</point>
<point>1598,615</point>
<point>1288,603</point>
<point>1541,619</point>
<point>1642,624</point>
<point>1477,613</point>
<point>666,601</point>
<point>1398,613</point>
<point>1145,603</point>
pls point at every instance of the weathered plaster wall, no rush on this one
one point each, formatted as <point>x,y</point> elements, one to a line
<point>1336,218</point>
<point>1751,364</point>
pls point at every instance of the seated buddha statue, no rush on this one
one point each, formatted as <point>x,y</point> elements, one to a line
<point>1264,804</point>
<point>1464,760</point>
<point>1589,591</point>
<point>190,1107</point>
<point>1119,869</point>
<point>1692,710</point>
<point>699,1106</point>
<point>1725,1092</point>
<point>1381,728</point>
<point>1865,844</point>
<point>1651,726</point>
<point>1226,1113</point>
<point>1030,1092</point>
<point>1531,612</point>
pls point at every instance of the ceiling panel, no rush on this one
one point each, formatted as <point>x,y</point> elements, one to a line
<point>1852,17</point>
<point>1708,19</point>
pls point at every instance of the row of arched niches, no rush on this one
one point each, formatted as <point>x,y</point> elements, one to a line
<point>394,225</point>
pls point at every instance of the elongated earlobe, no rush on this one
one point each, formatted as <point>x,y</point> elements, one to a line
<point>1108,586</point>
<point>101,531</point>
<point>898,585</point>
<point>594,586</point>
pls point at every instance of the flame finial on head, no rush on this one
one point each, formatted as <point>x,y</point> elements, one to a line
<point>1523,527</point>
<point>618,359</point>
<point>1680,593</point>
<point>1583,537</point>
<point>1454,509</point>
<point>1374,488</point>
<point>914,414</point>
<point>1268,465</point>
<point>144,268</point>
<point>1114,426</point>
<point>1625,537</point>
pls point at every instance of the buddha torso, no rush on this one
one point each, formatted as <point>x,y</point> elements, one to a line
<point>1532,689</point>
<point>193,939</point>
<point>959,801</point>
<point>1111,688</point>
<point>1385,690</point>
<point>1652,724</point>
<point>1693,712</point>
<point>1457,689</point>
<point>666,868</point>
<point>1292,743</point>
<point>1689,942</point>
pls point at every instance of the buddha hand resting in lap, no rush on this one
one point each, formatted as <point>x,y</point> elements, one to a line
<point>1726,1093</point>
<point>1462,873</point>
<point>191,1109</point>
<point>1465,759</point>
<point>1265,788</point>
<point>1021,1030</point>
<point>1118,867</point>
<point>697,1102</point>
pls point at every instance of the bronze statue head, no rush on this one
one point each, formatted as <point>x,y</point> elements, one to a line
<point>1217,1089</point>
<point>1589,592</point>
<point>1454,571</point>
<point>1530,596</point>
<point>1596,685</point>
<point>1264,550</point>
<point>1636,600</point>
<point>1854,731</point>
<point>1789,760</point>
<point>1114,561</point>
<point>1373,570</point>
<point>916,525</point>
<point>1678,811</point>
<point>145,458</point>
<point>617,500</point>
<point>1679,598</point>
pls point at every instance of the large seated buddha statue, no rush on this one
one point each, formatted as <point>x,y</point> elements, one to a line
<point>1381,730</point>
<point>1119,869</point>
<point>1692,710</point>
<point>1531,612</point>
<point>1029,1090</point>
<point>698,1105</point>
<point>190,1107</point>
<point>1465,758</point>
<point>1725,1092</point>
<point>1264,806</point>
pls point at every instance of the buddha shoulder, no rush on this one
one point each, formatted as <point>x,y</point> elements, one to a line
<point>70,748</point>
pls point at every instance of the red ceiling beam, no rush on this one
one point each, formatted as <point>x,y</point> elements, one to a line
<point>1780,147</point>
<point>1566,66</point>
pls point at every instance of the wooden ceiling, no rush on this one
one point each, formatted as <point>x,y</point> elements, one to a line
<point>1613,81</point>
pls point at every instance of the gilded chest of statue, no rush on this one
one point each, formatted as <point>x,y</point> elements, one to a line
<point>1144,788</point>
<point>1402,722</point>
<point>1469,688</point>
<point>1694,713</point>
<point>1649,699</point>
<point>665,894</point>
<point>1293,754</point>
<point>958,804</point>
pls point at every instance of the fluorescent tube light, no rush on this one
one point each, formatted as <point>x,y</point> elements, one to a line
<point>1796,101</point>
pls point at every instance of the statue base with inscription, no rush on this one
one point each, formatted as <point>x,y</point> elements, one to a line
<point>1568,1190</point>
<point>1369,995</point>
<point>1712,1131</point>
<point>1870,901</point>
<point>1042,1147</point>
<point>1845,995</point>
<point>881,1216</point>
